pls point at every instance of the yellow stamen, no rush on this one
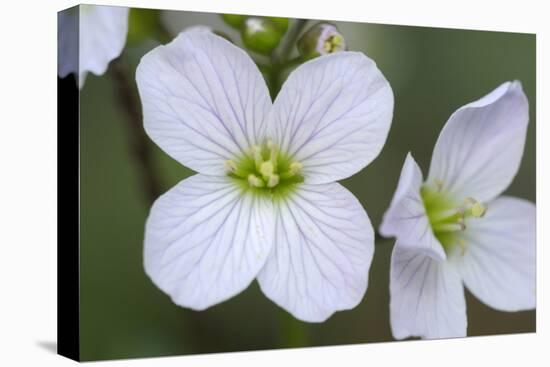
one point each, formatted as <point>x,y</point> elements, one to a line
<point>273,180</point>
<point>231,166</point>
<point>256,152</point>
<point>267,169</point>
<point>296,167</point>
<point>333,43</point>
<point>255,181</point>
<point>478,210</point>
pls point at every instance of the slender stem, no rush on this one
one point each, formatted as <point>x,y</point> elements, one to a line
<point>294,333</point>
<point>279,60</point>
<point>292,62</point>
<point>139,142</point>
<point>291,38</point>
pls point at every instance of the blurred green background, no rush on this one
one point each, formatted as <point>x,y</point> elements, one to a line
<point>123,315</point>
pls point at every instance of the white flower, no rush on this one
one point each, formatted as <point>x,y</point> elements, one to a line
<point>455,228</point>
<point>264,202</point>
<point>89,38</point>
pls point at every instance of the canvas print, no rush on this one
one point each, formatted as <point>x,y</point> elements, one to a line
<point>250,182</point>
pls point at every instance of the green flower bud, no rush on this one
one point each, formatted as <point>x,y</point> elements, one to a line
<point>234,20</point>
<point>260,35</point>
<point>321,39</point>
<point>281,24</point>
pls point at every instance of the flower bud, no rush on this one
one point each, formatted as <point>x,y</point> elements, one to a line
<point>234,20</point>
<point>260,35</point>
<point>321,39</point>
<point>281,24</point>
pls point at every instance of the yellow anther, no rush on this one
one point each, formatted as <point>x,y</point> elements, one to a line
<point>295,167</point>
<point>333,43</point>
<point>337,40</point>
<point>255,181</point>
<point>478,210</point>
<point>230,166</point>
<point>266,169</point>
<point>256,152</point>
<point>272,181</point>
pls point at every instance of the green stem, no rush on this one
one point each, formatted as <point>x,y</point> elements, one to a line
<point>294,332</point>
<point>292,62</point>
<point>280,62</point>
<point>291,39</point>
<point>139,142</point>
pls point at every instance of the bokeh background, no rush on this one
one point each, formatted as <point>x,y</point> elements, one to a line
<point>123,315</point>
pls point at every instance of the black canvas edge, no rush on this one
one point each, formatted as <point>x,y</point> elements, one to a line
<point>68,211</point>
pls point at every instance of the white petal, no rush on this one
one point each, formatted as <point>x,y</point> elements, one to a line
<point>333,115</point>
<point>480,148</point>
<point>205,240</point>
<point>406,218</point>
<point>204,100</point>
<point>426,297</point>
<point>67,42</point>
<point>322,254</point>
<point>103,31</point>
<point>499,264</point>
<point>199,28</point>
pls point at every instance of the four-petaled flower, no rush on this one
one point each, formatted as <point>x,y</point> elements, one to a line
<point>90,37</point>
<point>265,202</point>
<point>454,228</point>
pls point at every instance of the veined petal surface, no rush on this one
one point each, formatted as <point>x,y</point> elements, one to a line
<point>499,261</point>
<point>204,100</point>
<point>333,115</point>
<point>406,218</point>
<point>323,249</point>
<point>206,240</point>
<point>67,42</point>
<point>479,150</point>
<point>103,32</point>
<point>426,297</point>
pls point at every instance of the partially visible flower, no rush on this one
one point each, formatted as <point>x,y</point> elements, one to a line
<point>265,202</point>
<point>454,228</point>
<point>321,39</point>
<point>94,33</point>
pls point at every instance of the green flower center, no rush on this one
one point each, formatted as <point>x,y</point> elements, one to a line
<point>447,219</point>
<point>265,170</point>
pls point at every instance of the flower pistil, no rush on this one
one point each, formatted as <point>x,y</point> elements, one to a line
<point>447,219</point>
<point>265,169</point>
